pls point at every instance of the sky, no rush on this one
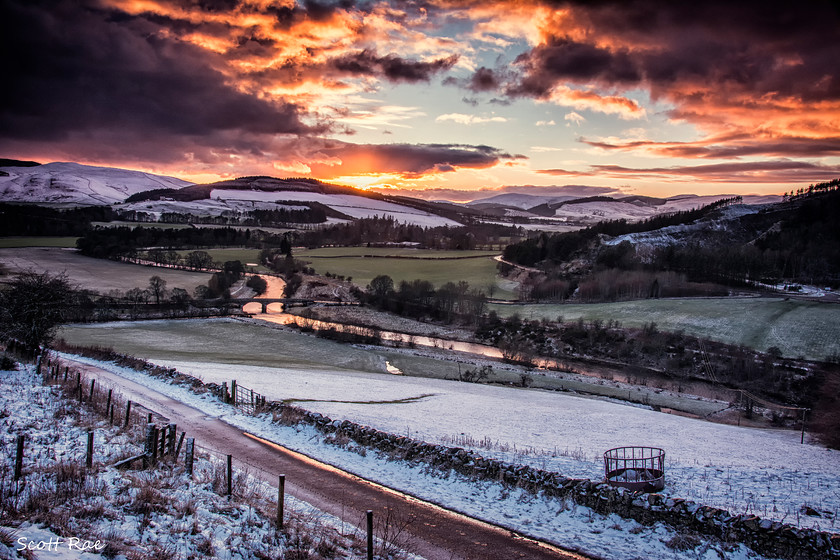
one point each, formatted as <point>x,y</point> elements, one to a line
<point>434,98</point>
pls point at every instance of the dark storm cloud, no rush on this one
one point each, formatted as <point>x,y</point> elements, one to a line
<point>561,59</point>
<point>391,67</point>
<point>777,47</point>
<point>77,68</point>
<point>409,159</point>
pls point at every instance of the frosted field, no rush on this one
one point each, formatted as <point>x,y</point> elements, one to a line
<point>354,206</point>
<point>558,521</point>
<point>798,328</point>
<point>72,183</point>
<point>765,472</point>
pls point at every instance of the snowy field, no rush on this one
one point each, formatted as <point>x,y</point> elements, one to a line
<point>72,183</point>
<point>559,521</point>
<point>354,206</point>
<point>763,472</point>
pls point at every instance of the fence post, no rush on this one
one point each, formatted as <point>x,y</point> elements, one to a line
<point>19,457</point>
<point>188,460</point>
<point>150,452</point>
<point>172,433</point>
<point>38,365</point>
<point>225,397</point>
<point>178,449</point>
<point>108,404</point>
<point>89,459</point>
<point>229,476</point>
<point>127,414</point>
<point>233,392</point>
<point>370,534</point>
<point>92,385</point>
<point>162,442</point>
<point>281,499</point>
<point>111,413</point>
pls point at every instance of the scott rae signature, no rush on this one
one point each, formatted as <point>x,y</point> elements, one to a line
<point>53,545</point>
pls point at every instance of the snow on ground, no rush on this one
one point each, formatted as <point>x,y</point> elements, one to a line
<point>763,472</point>
<point>559,521</point>
<point>73,183</point>
<point>354,206</point>
<point>131,514</point>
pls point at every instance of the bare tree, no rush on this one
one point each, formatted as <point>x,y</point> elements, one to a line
<point>157,287</point>
<point>33,307</point>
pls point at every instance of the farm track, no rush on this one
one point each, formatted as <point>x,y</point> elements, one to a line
<point>430,530</point>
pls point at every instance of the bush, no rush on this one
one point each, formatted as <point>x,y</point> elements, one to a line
<point>7,363</point>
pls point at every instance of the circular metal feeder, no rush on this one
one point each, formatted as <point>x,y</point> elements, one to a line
<point>641,469</point>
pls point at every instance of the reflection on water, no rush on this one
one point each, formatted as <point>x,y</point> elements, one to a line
<point>401,339</point>
<point>392,368</point>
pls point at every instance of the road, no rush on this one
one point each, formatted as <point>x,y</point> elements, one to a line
<point>426,529</point>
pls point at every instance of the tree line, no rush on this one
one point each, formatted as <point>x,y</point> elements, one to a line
<point>418,299</point>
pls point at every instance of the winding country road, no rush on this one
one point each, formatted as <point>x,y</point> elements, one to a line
<point>427,529</point>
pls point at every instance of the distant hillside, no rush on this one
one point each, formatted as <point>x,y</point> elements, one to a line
<point>795,241</point>
<point>75,184</point>
<point>246,195</point>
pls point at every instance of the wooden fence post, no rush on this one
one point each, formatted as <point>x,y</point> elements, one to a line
<point>233,392</point>
<point>38,365</point>
<point>19,457</point>
<point>89,459</point>
<point>150,451</point>
<point>173,433</point>
<point>161,443</point>
<point>111,413</point>
<point>178,449</point>
<point>92,385</point>
<point>108,404</point>
<point>281,499</point>
<point>229,476</point>
<point>369,534</point>
<point>127,414</point>
<point>189,451</point>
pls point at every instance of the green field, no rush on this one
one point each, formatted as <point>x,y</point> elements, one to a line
<point>798,328</point>
<point>245,256</point>
<point>438,267</point>
<point>17,242</point>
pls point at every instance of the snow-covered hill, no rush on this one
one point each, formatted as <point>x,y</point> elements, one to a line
<point>73,183</point>
<point>583,212</point>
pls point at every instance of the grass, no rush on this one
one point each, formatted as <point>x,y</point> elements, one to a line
<point>241,254</point>
<point>18,242</point>
<point>438,267</point>
<point>798,328</point>
<point>96,274</point>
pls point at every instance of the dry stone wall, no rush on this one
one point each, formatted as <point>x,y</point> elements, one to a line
<point>770,538</point>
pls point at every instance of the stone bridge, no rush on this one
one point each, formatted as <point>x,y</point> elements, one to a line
<point>242,302</point>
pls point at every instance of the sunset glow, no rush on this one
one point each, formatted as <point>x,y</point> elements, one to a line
<point>647,97</point>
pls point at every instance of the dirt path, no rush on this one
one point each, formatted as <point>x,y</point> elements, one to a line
<point>429,530</point>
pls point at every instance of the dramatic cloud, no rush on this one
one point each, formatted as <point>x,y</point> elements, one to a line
<point>782,171</point>
<point>337,159</point>
<point>391,67</point>
<point>237,87</point>
<point>722,65</point>
<point>729,147</point>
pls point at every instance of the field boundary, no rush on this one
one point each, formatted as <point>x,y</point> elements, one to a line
<point>768,537</point>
